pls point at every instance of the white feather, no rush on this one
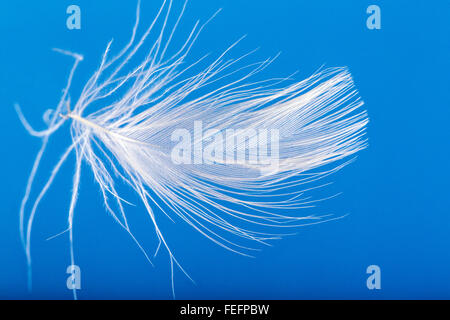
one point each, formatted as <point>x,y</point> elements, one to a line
<point>319,119</point>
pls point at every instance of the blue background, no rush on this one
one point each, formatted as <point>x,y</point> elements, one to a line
<point>397,192</point>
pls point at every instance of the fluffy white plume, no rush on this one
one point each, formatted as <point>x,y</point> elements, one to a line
<point>316,122</point>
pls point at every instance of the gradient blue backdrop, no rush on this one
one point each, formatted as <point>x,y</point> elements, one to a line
<point>397,192</point>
